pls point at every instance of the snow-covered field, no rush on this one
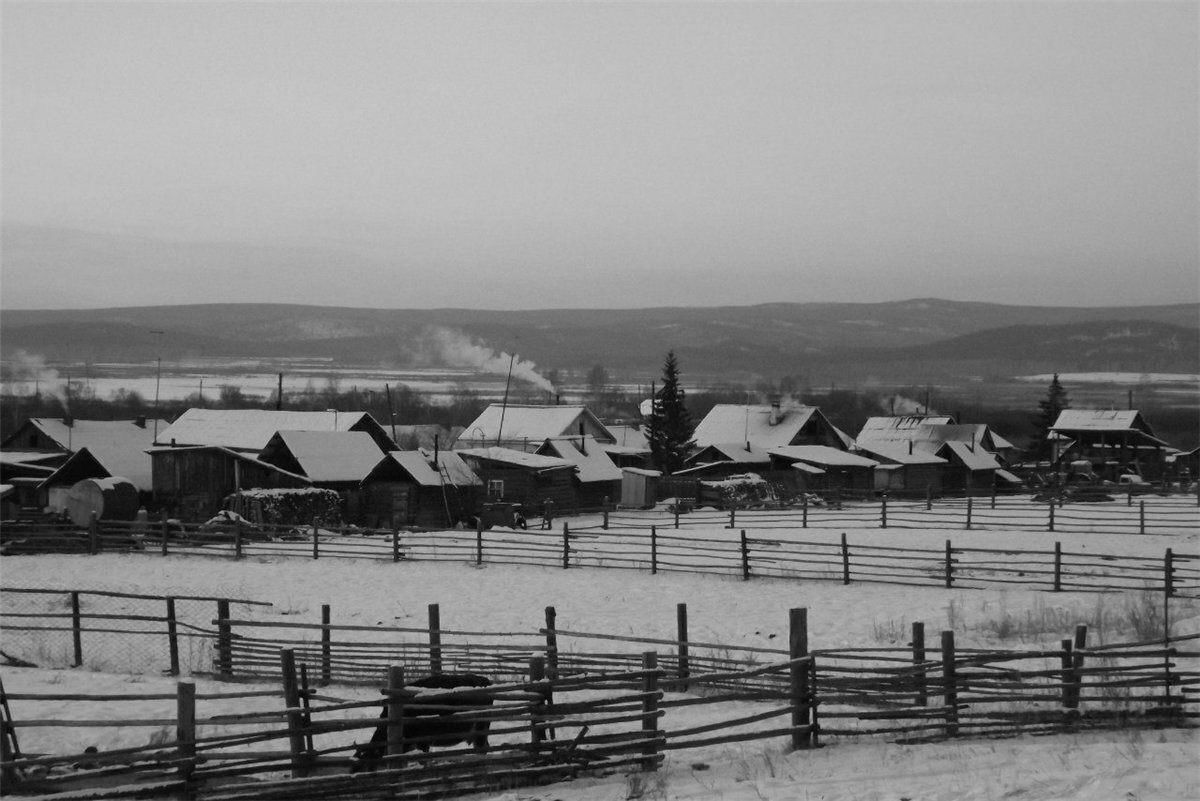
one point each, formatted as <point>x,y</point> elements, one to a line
<point>722,609</point>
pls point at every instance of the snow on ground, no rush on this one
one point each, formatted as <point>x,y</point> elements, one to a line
<point>723,609</point>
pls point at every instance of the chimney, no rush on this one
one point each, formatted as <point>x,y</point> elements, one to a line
<point>776,414</point>
<point>910,447</point>
<point>436,449</point>
<point>582,440</point>
<point>140,422</point>
<point>68,420</point>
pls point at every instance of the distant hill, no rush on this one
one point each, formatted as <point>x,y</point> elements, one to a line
<point>906,340</point>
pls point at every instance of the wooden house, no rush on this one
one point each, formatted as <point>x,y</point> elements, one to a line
<point>249,430</point>
<point>820,467</point>
<point>118,445</point>
<point>430,489</point>
<point>191,482</point>
<point>1114,441</point>
<point>336,460</point>
<point>905,470</point>
<point>526,478</point>
<point>969,468</point>
<point>527,427</point>
<point>597,481</point>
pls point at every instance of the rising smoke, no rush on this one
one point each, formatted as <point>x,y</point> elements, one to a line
<point>451,348</point>
<point>26,373</point>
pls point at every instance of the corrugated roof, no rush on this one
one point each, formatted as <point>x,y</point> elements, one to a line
<point>531,423</point>
<point>924,435</point>
<point>532,461</point>
<point>594,465</point>
<point>822,455</point>
<point>1097,420</point>
<point>119,445</point>
<point>250,429</point>
<point>330,456</point>
<point>728,422</point>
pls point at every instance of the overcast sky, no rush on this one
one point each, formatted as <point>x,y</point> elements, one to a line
<point>511,155</point>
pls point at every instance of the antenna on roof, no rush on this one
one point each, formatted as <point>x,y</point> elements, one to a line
<point>504,403</point>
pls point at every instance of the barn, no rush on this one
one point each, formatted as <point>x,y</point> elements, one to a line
<point>1114,441</point>
<point>905,471</point>
<point>192,481</point>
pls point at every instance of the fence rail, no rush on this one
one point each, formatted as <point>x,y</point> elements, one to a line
<point>562,715</point>
<point>746,544</point>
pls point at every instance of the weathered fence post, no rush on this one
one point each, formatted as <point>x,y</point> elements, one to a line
<point>395,541</point>
<point>929,498</point>
<point>1050,526</point>
<point>683,670</point>
<point>1080,645</point>
<point>653,550</point>
<point>326,647</point>
<point>650,693</point>
<point>224,641</point>
<point>845,560</point>
<point>677,512</point>
<point>551,643</point>
<point>804,510</point>
<point>295,719</point>
<point>395,713</point>
<point>537,673</point>
<point>566,553</point>
<point>172,638</point>
<point>745,546</point>
<point>435,639</point>
<point>164,532</point>
<point>548,515</point>
<point>237,542</point>
<point>949,565</point>
<point>1057,566</point>
<point>732,517</point>
<point>918,658</point>
<point>479,541</point>
<point>798,677</point>
<point>1068,682</point>
<point>883,510</point>
<point>1129,496</point>
<point>993,493</point>
<point>949,688</point>
<point>94,534</point>
<point>970,508</point>
<point>185,727</point>
<point>604,524</point>
<point>1169,573</point>
<point>316,540</point>
<point>1141,517</point>
<point>76,629</point>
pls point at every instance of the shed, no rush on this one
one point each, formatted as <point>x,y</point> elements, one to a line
<point>842,469</point>
<point>193,481</point>
<point>597,480</point>
<point>431,489</point>
<point>969,467</point>
<point>905,470</point>
<point>639,487</point>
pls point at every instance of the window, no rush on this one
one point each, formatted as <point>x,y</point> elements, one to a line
<point>495,488</point>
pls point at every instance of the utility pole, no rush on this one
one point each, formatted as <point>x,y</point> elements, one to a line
<point>157,382</point>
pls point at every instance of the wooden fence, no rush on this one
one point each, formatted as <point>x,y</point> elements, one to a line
<point>726,548</point>
<point>612,709</point>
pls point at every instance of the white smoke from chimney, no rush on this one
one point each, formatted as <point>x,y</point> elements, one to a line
<point>900,405</point>
<point>26,372</point>
<point>453,348</point>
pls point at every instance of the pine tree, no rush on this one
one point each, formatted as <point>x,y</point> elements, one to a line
<point>669,429</point>
<point>1049,409</point>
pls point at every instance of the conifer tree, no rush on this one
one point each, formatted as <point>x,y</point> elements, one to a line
<point>669,428</point>
<point>1049,408</point>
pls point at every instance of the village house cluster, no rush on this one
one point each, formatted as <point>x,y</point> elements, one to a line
<point>539,458</point>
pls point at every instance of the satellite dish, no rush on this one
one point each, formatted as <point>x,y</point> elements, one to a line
<point>646,407</point>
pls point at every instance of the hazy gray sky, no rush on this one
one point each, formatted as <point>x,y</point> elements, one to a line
<point>514,155</point>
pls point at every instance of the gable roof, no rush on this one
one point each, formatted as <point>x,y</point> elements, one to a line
<point>973,458</point>
<point>532,424</point>
<point>592,465</point>
<point>629,437</point>
<point>252,429</point>
<point>896,433</point>
<point>729,452</point>
<point>249,458</point>
<point>323,456</point>
<point>419,465</point>
<point>729,422</point>
<point>1100,420</point>
<point>79,465</point>
<point>899,454</point>
<point>119,445</point>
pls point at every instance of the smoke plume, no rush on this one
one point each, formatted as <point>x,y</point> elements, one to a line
<point>24,372</point>
<point>452,348</point>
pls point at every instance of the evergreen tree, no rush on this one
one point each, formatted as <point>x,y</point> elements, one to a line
<point>669,428</point>
<point>1048,410</point>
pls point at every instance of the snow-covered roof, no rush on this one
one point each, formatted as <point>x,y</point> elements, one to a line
<point>533,424</point>
<point>629,436</point>
<point>924,435</point>
<point>973,458</point>
<point>251,429</point>
<point>28,457</point>
<point>808,468</point>
<point>119,445</point>
<point>902,422</point>
<point>531,461</point>
<point>730,452</point>
<point>420,465</point>
<point>591,463</point>
<point>729,422</point>
<point>1099,420</point>
<point>326,456</point>
<point>900,455</point>
<point>249,458</point>
<point>822,455</point>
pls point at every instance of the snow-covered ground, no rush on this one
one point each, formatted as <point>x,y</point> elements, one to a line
<point>722,609</point>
